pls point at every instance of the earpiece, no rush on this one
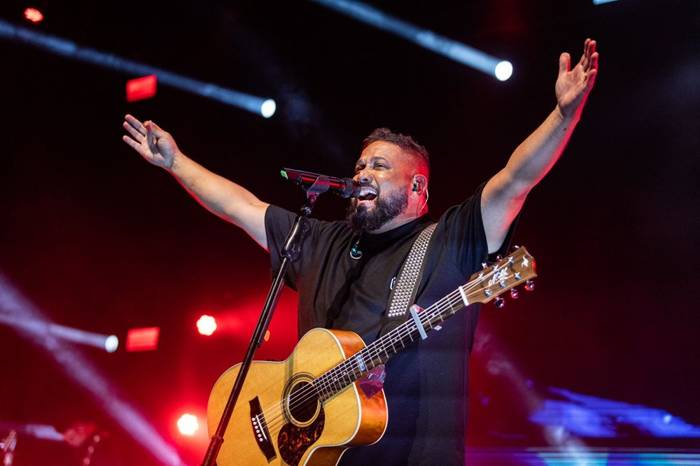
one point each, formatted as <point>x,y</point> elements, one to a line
<point>415,185</point>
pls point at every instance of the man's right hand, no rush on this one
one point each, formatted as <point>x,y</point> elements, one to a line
<point>148,139</point>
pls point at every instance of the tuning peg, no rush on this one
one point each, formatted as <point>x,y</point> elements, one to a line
<point>500,303</point>
<point>484,265</point>
<point>514,293</point>
<point>499,257</point>
<point>529,285</point>
<point>516,247</point>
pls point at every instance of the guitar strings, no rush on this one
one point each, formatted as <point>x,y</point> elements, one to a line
<point>329,379</point>
<point>397,335</point>
<point>373,350</point>
<point>274,416</point>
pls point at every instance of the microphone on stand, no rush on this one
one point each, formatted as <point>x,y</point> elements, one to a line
<point>343,187</point>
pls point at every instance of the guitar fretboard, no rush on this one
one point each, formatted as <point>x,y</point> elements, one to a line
<point>480,289</point>
<point>379,351</point>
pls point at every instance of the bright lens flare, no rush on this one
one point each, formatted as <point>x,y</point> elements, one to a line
<point>188,424</point>
<point>504,70</point>
<point>111,343</point>
<point>34,15</point>
<point>206,325</point>
<point>267,109</point>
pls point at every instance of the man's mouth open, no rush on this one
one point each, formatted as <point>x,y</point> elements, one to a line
<point>367,193</point>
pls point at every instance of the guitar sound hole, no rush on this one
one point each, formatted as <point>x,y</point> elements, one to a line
<point>302,402</point>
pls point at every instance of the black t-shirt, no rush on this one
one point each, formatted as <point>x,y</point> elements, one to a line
<point>426,384</point>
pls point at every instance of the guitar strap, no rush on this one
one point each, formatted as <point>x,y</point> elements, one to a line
<point>403,294</point>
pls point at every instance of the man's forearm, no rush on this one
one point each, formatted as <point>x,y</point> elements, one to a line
<point>217,194</point>
<point>538,153</point>
<point>505,193</point>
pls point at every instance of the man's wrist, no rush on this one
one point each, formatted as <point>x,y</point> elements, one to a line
<point>178,159</point>
<point>564,118</point>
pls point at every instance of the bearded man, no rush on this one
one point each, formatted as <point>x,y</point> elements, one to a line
<point>347,269</point>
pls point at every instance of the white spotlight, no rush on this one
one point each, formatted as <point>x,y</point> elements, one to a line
<point>206,325</point>
<point>503,70</point>
<point>268,107</point>
<point>111,343</point>
<point>188,424</point>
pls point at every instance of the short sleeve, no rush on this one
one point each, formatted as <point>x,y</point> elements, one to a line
<point>465,234</point>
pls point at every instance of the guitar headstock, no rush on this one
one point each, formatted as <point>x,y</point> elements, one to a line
<point>507,273</point>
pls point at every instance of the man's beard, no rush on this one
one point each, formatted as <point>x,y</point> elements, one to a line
<point>361,218</point>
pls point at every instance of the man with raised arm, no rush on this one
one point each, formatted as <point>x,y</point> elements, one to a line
<point>347,269</point>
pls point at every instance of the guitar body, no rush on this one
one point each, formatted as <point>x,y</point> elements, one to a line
<point>278,420</point>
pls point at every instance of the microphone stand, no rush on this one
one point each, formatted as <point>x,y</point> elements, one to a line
<point>290,252</point>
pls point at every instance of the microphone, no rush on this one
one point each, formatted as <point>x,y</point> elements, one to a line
<point>343,187</point>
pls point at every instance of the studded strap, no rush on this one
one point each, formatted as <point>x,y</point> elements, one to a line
<point>403,291</point>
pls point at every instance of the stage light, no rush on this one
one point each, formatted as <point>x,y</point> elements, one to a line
<point>34,15</point>
<point>503,70</point>
<point>267,109</point>
<point>597,417</point>
<point>141,88</point>
<point>188,424</point>
<point>600,2</point>
<point>142,339</point>
<point>449,48</point>
<point>111,343</point>
<point>69,49</point>
<point>84,373</point>
<point>206,325</point>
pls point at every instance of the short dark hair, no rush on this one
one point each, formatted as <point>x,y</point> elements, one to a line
<point>404,141</point>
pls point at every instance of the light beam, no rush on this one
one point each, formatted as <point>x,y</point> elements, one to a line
<point>40,328</point>
<point>85,374</point>
<point>69,49</point>
<point>449,48</point>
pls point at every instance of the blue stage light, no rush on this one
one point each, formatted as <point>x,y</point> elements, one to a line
<point>504,70</point>
<point>267,109</point>
<point>74,51</point>
<point>425,38</point>
<point>593,417</point>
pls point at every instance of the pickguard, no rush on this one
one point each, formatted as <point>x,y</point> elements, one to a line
<point>293,441</point>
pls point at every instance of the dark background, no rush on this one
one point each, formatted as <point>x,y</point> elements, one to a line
<point>101,240</point>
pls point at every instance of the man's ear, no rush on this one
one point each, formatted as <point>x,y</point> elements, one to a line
<point>420,183</point>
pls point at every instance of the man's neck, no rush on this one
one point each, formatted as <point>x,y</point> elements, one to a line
<point>394,223</point>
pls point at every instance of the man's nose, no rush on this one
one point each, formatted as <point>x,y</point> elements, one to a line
<point>363,177</point>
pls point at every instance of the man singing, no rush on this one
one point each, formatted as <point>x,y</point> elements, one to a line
<point>347,269</point>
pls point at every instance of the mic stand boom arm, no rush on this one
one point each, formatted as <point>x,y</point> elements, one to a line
<point>290,252</point>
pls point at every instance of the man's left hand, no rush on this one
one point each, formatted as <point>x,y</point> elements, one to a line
<point>574,84</point>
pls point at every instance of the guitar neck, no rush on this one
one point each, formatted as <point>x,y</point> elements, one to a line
<point>482,287</point>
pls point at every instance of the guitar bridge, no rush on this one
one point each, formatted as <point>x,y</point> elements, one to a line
<point>262,434</point>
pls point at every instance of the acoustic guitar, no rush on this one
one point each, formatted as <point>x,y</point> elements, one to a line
<point>323,399</point>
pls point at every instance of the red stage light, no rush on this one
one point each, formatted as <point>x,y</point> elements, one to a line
<point>141,88</point>
<point>188,424</point>
<point>33,15</point>
<point>206,325</point>
<point>142,339</point>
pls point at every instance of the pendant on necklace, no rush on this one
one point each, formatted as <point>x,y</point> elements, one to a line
<point>355,251</point>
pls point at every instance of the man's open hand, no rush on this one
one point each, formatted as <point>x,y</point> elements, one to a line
<point>574,84</point>
<point>148,139</point>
